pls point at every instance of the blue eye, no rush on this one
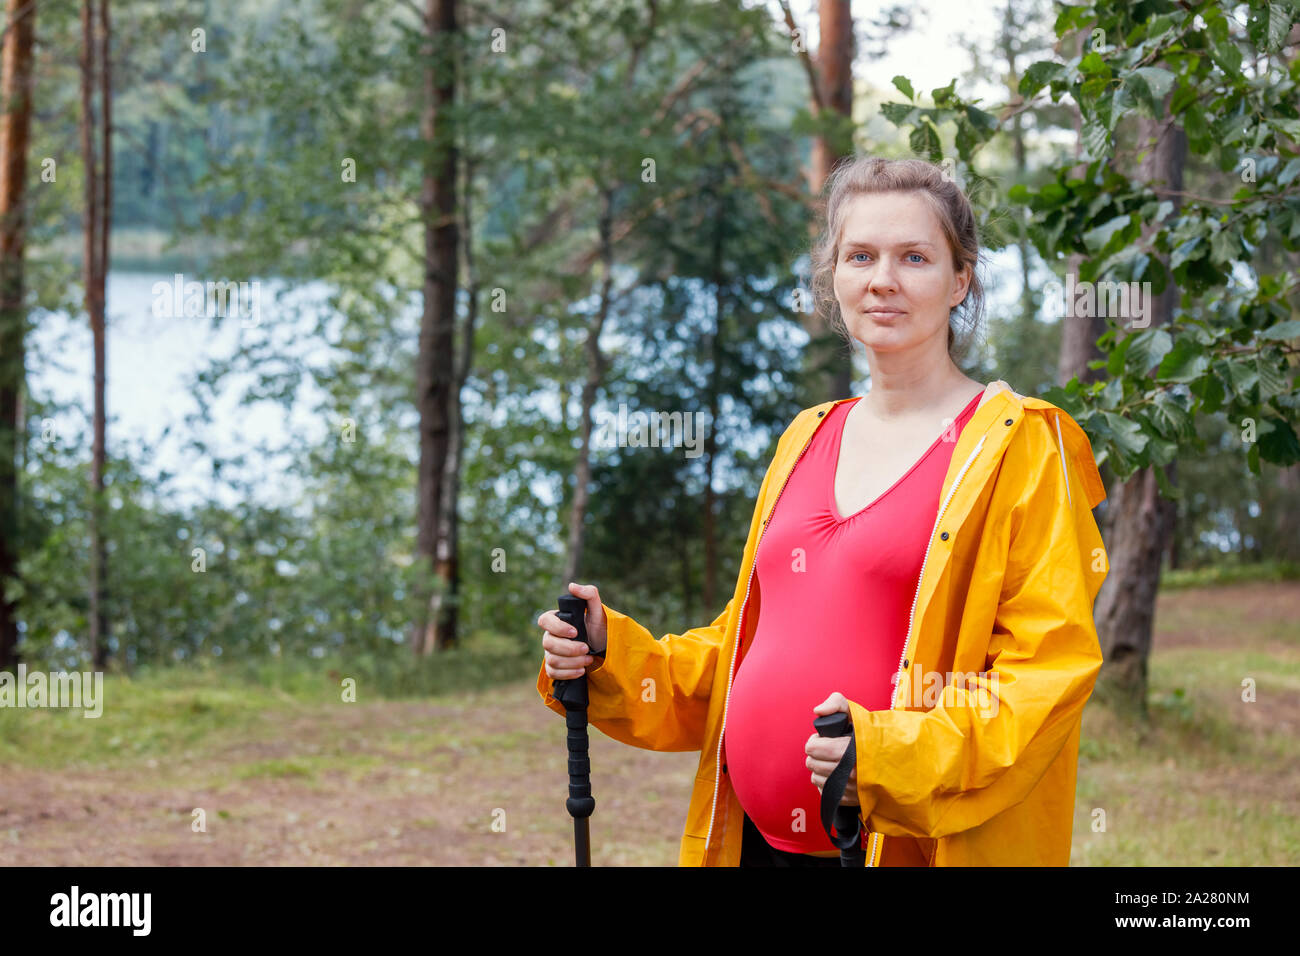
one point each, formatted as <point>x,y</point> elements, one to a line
<point>918,255</point>
<point>856,254</point>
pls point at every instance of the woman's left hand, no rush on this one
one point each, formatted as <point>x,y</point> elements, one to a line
<point>825,753</point>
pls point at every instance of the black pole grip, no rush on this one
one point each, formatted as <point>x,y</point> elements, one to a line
<point>572,694</point>
<point>847,836</point>
<point>838,724</point>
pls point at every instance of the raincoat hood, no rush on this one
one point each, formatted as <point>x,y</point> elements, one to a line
<point>975,761</point>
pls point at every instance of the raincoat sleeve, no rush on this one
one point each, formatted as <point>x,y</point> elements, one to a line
<point>982,749</point>
<point>655,693</point>
<point>646,692</point>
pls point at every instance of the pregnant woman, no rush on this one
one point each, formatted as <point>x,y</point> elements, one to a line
<point>923,558</point>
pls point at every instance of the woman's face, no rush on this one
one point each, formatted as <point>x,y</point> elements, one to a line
<point>893,256</point>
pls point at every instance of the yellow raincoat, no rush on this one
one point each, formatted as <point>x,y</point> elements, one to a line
<point>981,776</point>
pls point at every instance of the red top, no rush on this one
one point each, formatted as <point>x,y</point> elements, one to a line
<point>836,596</point>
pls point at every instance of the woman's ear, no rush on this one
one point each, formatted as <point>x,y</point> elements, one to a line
<point>963,275</point>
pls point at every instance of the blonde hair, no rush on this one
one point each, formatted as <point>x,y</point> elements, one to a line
<point>867,174</point>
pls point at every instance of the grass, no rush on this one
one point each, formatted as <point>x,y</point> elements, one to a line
<point>161,715</point>
<point>1229,573</point>
<point>1209,779</point>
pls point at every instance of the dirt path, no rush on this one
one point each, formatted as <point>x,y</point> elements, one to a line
<point>391,783</point>
<point>399,783</point>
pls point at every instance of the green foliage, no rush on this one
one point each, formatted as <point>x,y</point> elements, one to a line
<point>1231,347</point>
<point>243,151</point>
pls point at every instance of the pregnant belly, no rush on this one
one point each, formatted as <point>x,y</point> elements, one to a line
<point>769,720</point>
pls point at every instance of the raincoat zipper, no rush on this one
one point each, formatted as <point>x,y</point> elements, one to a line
<point>911,620</point>
<point>740,628</point>
<point>740,633</point>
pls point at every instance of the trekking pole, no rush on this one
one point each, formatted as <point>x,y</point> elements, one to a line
<point>572,693</point>
<point>848,831</point>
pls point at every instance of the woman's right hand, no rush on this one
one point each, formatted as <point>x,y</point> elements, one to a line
<point>564,657</point>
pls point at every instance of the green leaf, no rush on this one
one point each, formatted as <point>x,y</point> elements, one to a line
<point>1052,194</point>
<point>1272,381</point>
<point>1127,434</point>
<point>1112,393</point>
<point>1230,128</point>
<point>1159,26</point>
<point>1176,419</point>
<point>1227,55</point>
<point>1277,442</point>
<point>1185,362</point>
<point>1282,331</point>
<point>1149,347</point>
<point>1072,17</point>
<point>1162,480</point>
<point>1159,81</point>
<point>1149,85</point>
<point>1289,126</point>
<point>900,114</point>
<point>1211,393</point>
<point>1118,357</point>
<point>1198,131</point>
<point>943,94</point>
<point>1037,76</point>
<point>981,120</point>
<point>1242,376</point>
<point>1184,96</point>
<point>1094,65</point>
<point>1268,27</point>
<point>1224,247</point>
<point>1191,249</point>
<point>904,86</point>
<point>966,140</point>
<point>924,141</point>
<point>1097,238</point>
<point>1096,139</point>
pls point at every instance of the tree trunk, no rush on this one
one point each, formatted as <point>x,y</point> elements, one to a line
<point>710,527</point>
<point>1141,519</point>
<point>595,362</point>
<point>94,270</point>
<point>15,133</point>
<point>1027,320</point>
<point>434,363</point>
<point>1079,333</point>
<point>447,613</point>
<point>830,370</point>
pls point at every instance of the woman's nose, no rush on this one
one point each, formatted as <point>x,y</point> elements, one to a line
<point>882,278</point>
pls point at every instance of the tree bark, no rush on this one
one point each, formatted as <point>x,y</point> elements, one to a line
<point>94,269</point>
<point>830,370</point>
<point>596,364</point>
<point>434,362</point>
<point>15,135</point>
<point>447,613</point>
<point>710,437</point>
<point>1079,334</point>
<point>1141,519</point>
